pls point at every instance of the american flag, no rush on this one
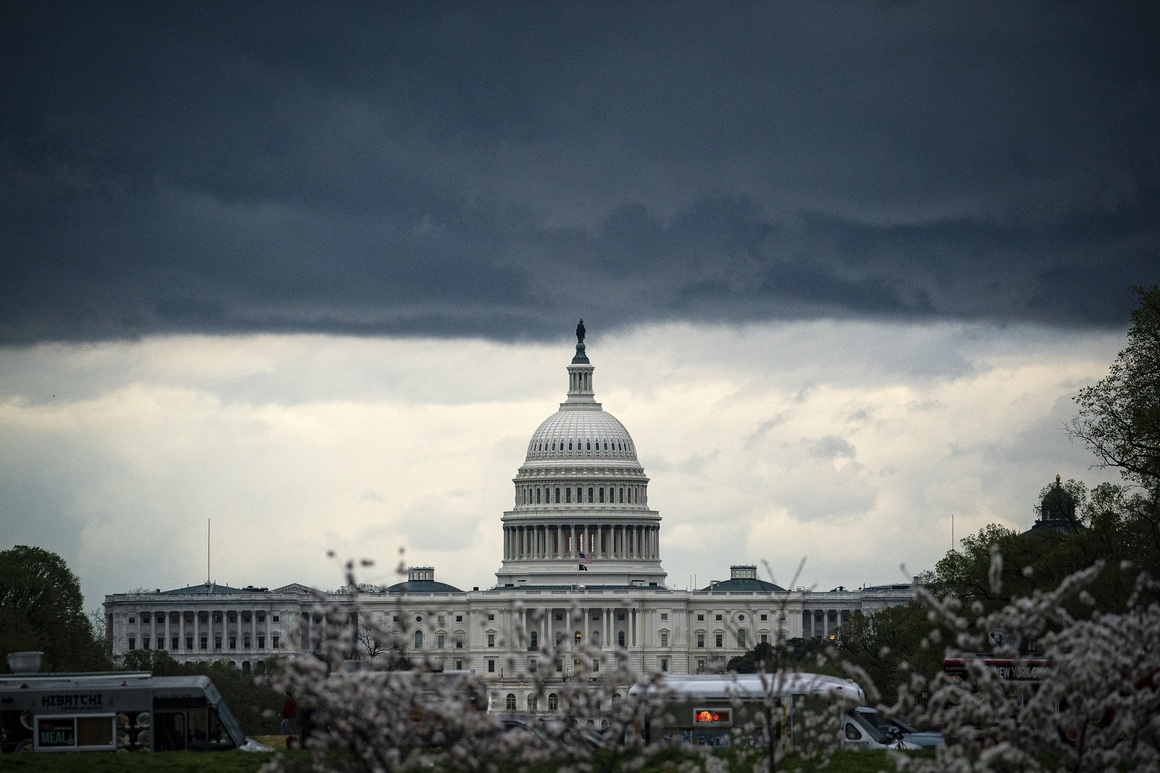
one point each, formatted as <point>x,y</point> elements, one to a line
<point>585,558</point>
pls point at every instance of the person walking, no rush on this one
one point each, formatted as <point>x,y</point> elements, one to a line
<point>289,714</point>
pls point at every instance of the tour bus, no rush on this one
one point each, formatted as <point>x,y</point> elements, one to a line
<point>113,711</point>
<point>723,709</point>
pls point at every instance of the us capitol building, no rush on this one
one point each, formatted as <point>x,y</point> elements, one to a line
<point>581,562</point>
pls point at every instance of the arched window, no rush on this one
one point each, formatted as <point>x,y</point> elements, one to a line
<point>557,495</point>
<point>553,702</point>
<point>596,638</point>
<point>605,445</point>
<point>579,495</point>
<point>590,495</point>
<point>510,701</point>
<point>535,640</point>
<point>537,496</point>
<point>622,495</point>
<point>741,638</point>
<point>569,445</point>
<point>531,703</point>
<point>620,638</point>
<point>418,640</point>
<point>602,495</point>
<point>588,446</point>
<point>568,495</point>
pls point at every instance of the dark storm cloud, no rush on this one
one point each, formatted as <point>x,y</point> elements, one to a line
<point>446,169</point>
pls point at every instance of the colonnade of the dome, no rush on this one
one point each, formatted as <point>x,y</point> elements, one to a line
<point>567,541</point>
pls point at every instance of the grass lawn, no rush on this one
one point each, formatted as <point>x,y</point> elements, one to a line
<point>241,762</point>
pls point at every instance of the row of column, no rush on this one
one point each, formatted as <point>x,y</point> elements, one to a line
<point>607,625</point>
<point>817,622</point>
<point>164,639</point>
<point>641,541</point>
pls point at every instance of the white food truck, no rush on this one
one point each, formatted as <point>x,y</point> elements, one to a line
<point>110,711</point>
<point>726,709</point>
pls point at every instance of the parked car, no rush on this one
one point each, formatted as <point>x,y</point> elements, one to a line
<point>864,728</point>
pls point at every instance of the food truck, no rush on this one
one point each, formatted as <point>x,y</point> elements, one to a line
<point>724,709</point>
<point>114,711</point>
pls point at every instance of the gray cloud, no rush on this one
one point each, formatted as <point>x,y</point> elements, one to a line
<point>481,170</point>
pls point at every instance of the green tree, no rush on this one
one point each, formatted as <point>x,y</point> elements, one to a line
<point>1119,420</point>
<point>891,644</point>
<point>1119,417</point>
<point>762,657</point>
<point>43,609</point>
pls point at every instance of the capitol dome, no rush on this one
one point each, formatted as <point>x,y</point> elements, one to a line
<point>589,435</point>
<point>581,499</point>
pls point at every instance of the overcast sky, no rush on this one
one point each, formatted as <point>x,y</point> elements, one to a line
<point>311,270</point>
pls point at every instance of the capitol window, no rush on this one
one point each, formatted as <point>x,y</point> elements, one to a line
<point>589,495</point>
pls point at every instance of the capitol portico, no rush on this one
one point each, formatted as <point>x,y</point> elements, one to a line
<point>581,563</point>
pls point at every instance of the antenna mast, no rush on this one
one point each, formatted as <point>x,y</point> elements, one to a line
<point>208,575</point>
